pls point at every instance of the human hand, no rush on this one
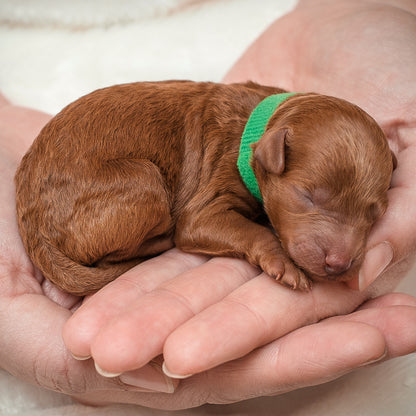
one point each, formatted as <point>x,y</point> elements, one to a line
<point>33,308</point>
<point>382,325</point>
<point>33,311</point>
<point>247,317</point>
<point>363,51</point>
<point>208,317</point>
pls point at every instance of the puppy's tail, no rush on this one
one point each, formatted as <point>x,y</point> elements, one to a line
<point>73,277</point>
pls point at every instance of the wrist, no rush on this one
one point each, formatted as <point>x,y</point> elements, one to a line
<point>18,128</point>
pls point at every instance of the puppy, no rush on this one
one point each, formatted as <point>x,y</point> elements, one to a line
<point>129,171</point>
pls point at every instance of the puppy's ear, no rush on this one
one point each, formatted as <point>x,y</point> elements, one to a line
<point>269,151</point>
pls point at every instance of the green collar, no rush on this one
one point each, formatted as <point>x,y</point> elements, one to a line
<point>255,127</point>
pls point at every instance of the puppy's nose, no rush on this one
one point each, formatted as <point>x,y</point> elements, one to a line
<point>336,264</point>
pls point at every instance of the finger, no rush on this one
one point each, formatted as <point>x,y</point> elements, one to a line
<point>117,296</point>
<point>308,356</point>
<point>311,355</point>
<point>135,336</point>
<point>396,322</point>
<point>151,378</point>
<point>392,240</point>
<point>253,315</point>
<point>60,297</point>
<point>391,299</point>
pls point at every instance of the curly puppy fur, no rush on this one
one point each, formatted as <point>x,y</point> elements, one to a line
<point>129,171</point>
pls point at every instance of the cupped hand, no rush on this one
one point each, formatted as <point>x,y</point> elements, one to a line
<point>32,311</point>
<point>363,51</point>
<point>224,322</point>
<point>208,318</point>
<point>236,330</point>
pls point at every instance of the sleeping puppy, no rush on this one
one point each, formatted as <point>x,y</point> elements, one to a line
<point>129,171</point>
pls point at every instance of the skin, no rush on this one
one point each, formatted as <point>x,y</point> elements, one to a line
<point>186,305</point>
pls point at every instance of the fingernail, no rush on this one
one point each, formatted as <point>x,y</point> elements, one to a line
<point>375,262</point>
<point>172,375</point>
<point>375,360</point>
<point>80,358</point>
<point>150,377</point>
<point>105,373</point>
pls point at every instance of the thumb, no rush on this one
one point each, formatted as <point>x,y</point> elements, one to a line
<point>392,243</point>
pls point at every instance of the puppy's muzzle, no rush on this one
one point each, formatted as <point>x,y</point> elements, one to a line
<point>336,264</point>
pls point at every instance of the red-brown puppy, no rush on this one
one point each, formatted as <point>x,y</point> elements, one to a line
<point>129,171</point>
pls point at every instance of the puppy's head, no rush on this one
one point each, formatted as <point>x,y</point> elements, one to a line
<point>323,167</point>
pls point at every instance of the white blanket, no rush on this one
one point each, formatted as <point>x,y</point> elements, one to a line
<point>53,51</point>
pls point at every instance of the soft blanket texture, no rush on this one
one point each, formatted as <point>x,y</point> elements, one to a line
<point>53,51</point>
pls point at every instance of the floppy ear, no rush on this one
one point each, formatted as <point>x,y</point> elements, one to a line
<point>269,151</point>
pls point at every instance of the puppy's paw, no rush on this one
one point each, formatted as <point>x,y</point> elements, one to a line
<point>294,278</point>
<point>286,273</point>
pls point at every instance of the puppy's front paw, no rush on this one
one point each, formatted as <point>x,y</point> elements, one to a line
<point>286,273</point>
<point>294,278</point>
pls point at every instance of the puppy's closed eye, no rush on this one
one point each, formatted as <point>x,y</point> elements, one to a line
<point>305,196</point>
<point>321,196</point>
<point>312,197</point>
